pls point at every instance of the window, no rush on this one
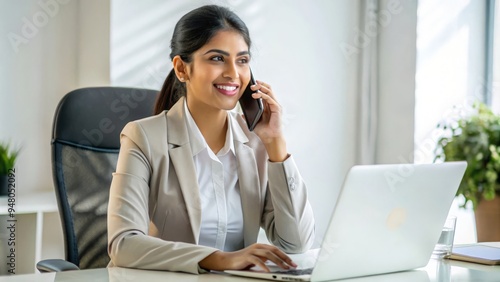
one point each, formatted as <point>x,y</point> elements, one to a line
<point>495,82</point>
<point>451,75</point>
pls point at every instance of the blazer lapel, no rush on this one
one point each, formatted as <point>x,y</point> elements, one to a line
<point>182,159</point>
<point>250,189</point>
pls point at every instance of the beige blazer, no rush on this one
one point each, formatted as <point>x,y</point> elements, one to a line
<point>154,212</point>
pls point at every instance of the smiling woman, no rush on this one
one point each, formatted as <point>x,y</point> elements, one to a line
<point>193,185</point>
<point>216,76</point>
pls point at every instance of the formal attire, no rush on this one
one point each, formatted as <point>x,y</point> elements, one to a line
<point>155,207</point>
<point>221,212</point>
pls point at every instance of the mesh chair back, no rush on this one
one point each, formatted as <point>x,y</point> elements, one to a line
<point>85,146</point>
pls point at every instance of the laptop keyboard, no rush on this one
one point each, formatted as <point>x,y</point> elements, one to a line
<point>295,271</point>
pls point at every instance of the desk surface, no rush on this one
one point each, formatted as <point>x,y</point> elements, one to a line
<point>436,270</point>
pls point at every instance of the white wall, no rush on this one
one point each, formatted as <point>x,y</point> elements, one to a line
<point>47,48</point>
<point>34,76</point>
<point>93,43</point>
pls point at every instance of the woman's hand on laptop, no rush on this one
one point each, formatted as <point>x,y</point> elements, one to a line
<point>253,255</point>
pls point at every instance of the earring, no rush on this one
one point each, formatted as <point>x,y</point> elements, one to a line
<point>181,79</point>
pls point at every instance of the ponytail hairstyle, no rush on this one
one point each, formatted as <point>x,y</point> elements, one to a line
<point>191,33</point>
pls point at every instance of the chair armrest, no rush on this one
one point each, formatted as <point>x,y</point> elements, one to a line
<point>55,265</point>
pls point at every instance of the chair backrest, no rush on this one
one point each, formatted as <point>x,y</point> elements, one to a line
<point>85,145</point>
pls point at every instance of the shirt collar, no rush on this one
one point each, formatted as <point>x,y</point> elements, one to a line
<point>197,141</point>
<point>229,144</point>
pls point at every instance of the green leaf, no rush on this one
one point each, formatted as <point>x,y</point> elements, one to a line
<point>7,158</point>
<point>474,138</point>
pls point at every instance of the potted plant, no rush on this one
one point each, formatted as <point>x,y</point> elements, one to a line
<point>475,138</point>
<point>7,162</point>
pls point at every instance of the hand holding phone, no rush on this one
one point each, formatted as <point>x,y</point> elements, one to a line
<point>252,108</point>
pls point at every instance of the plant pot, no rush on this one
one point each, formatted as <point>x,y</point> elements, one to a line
<point>487,216</point>
<point>3,184</point>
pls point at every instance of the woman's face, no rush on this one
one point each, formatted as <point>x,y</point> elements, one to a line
<point>218,73</point>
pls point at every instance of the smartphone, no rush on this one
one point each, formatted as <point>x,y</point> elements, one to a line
<point>252,108</point>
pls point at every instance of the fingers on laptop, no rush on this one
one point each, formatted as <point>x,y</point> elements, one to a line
<point>262,253</point>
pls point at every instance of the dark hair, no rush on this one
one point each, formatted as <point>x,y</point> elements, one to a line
<point>191,32</point>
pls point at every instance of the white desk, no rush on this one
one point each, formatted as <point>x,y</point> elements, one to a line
<point>436,270</point>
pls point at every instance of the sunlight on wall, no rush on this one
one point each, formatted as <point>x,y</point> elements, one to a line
<point>140,37</point>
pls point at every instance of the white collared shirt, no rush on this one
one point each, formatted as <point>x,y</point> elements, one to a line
<point>221,212</point>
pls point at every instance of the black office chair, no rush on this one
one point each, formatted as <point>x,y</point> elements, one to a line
<point>85,145</point>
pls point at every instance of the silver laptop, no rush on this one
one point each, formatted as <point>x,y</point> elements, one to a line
<point>387,219</point>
